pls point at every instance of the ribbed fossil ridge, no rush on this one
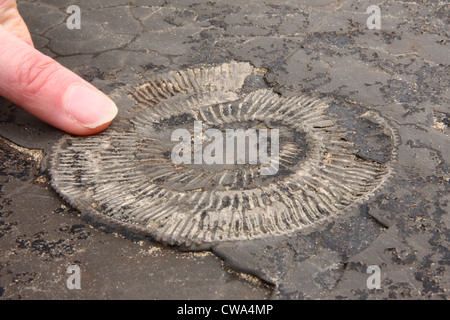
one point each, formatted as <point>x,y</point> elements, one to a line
<point>126,174</point>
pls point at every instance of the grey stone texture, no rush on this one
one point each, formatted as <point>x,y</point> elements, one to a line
<point>309,47</point>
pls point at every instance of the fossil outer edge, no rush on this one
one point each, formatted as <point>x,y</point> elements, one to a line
<point>125,175</point>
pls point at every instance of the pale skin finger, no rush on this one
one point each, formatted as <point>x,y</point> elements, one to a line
<point>45,88</point>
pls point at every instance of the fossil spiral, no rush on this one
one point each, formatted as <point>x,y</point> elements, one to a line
<point>330,157</point>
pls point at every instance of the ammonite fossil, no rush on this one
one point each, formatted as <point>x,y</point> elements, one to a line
<point>330,156</point>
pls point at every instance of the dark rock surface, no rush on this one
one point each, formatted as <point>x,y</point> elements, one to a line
<point>320,47</point>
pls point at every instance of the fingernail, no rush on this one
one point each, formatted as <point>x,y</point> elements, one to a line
<point>89,107</point>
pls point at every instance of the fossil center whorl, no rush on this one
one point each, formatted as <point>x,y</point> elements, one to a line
<point>155,149</point>
<point>173,171</point>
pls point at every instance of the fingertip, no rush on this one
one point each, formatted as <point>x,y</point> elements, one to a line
<point>88,107</point>
<point>83,131</point>
<point>51,92</point>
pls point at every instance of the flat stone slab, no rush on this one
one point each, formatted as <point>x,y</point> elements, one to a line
<point>374,82</point>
